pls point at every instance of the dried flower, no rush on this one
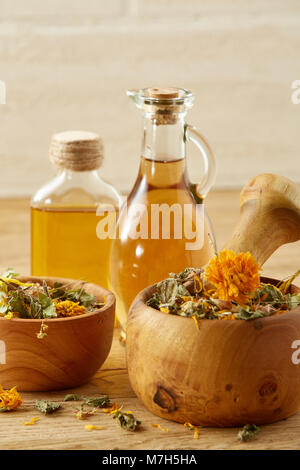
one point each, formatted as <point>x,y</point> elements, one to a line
<point>235,276</point>
<point>82,414</point>
<point>91,427</point>
<point>68,308</point>
<point>9,399</point>
<point>158,426</point>
<point>191,427</point>
<point>43,331</point>
<point>112,409</point>
<point>31,422</point>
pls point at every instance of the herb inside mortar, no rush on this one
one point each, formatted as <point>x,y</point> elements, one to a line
<point>200,294</point>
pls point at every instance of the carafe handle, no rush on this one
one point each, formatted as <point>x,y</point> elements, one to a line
<point>191,134</point>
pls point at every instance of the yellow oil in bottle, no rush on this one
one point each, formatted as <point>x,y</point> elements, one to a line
<point>138,263</point>
<point>64,243</point>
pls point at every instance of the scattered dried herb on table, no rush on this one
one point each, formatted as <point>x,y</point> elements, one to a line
<point>229,289</point>
<point>248,432</point>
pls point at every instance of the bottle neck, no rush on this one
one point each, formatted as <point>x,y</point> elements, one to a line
<point>163,142</point>
<point>78,176</point>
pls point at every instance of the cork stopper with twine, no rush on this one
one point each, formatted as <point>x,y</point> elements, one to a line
<point>76,151</point>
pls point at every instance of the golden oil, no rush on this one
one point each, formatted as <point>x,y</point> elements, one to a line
<point>65,244</point>
<point>138,263</point>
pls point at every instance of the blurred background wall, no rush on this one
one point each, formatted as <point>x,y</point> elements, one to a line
<point>67,64</point>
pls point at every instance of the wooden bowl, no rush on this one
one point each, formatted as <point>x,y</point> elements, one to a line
<point>72,352</point>
<point>226,373</point>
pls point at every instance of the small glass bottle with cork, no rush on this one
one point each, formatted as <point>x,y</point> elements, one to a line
<point>66,212</point>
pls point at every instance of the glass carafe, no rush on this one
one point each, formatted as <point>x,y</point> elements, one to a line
<point>163,227</point>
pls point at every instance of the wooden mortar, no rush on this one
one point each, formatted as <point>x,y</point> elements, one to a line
<point>224,373</point>
<point>69,356</point>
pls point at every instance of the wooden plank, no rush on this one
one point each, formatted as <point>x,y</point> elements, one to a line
<point>64,431</point>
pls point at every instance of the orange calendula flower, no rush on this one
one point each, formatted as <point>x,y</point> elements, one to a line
<point>235,276</point>
<point>9,399</point>
<point>67,308</point>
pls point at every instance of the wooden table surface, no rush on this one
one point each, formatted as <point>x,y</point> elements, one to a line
<point>63,431</point>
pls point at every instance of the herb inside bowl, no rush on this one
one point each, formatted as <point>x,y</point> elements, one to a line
<point>42,301</point>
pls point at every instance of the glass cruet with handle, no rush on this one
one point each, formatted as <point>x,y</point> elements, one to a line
<point>163,226</point>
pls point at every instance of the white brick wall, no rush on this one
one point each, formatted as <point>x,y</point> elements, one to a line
<point>68,63</point>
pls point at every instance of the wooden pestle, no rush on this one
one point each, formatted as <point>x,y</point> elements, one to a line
<point>269,216</point>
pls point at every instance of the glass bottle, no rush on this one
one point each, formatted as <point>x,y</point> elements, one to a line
<point>65,213</point>
<point>149,246</point>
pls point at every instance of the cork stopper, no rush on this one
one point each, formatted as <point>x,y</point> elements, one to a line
<point>165,111</point>
<point>76,150</point>
<point>163,93</point>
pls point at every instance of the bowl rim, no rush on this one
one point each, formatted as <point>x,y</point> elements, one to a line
<point>143,296</point>
<point>110,301</point>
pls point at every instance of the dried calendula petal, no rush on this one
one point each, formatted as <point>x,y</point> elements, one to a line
<point>158,426</point>
<point>9,399</point>
<point>31,422</point>
<point>68,308</point>
<point>191,427</point>
<point>112,409</point>
<point>91,427</point>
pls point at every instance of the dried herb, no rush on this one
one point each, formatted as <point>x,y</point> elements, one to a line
<point>248,432</point>
<point>72,397</point>
<point>32,300</point>
<point>97,402</point>
<point>47,407</point>
<point>88,301</point>
<point>43,331</point>
<point>82,413</point>
<point>172,297</point>
<point>126,420</point>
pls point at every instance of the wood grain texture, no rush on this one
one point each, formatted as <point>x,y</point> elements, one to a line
<point>270,216</point>
<point>63,431</point>
<point>73,350</point>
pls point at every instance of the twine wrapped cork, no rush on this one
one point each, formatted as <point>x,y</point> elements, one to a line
<point>76,150</point>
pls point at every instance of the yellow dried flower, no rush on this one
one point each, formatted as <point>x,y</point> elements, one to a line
<point>235,276</point>
<point>9,399</point>
<point>191,427</point>
<point>91,427</point>
<point>68,308</point>
<point>31,422</point>
<point>158,426</point>
<point>115,407</point>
